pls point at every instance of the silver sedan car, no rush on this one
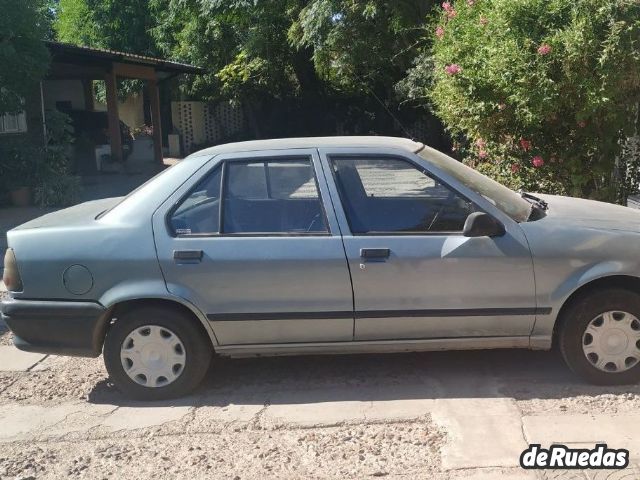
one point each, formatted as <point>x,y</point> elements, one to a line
<point>324,245</point>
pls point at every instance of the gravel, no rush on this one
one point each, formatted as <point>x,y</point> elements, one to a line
<point>197,446</point>
<point>6,337</point>
<point>365,451</point>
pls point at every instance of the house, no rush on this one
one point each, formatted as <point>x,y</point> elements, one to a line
<point>68,87</point>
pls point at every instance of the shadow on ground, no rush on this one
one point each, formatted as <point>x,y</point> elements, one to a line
<point>518,374</point>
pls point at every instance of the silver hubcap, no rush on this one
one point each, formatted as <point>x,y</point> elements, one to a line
<point>611,341</point>
<point>153,356</point>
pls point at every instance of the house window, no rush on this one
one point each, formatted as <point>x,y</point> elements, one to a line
<point>13,123</point>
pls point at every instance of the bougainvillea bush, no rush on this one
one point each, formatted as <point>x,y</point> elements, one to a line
<point>540,93</point>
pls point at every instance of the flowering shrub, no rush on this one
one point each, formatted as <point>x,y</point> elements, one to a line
<point>540,93</point>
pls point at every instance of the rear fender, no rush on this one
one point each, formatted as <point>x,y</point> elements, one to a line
<point>151,290</point>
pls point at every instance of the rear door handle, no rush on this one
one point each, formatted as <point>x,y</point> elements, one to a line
<point>375,253</point>
<point>187,255</point>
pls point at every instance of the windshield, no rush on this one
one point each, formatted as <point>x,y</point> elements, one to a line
<point>503,198</point>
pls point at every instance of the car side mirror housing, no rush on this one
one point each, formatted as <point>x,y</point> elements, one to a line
<point>480,224</point>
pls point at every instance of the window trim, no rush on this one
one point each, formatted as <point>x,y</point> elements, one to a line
<point>21,122</point>
<point>386,156</point>
<point>223,187</point>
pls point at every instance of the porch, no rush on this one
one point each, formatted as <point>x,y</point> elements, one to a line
<point>108,126</point>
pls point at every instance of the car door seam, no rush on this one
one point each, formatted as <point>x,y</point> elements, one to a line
<point>344,248</point>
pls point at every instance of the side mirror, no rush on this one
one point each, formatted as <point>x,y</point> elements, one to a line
<point>480,224</point>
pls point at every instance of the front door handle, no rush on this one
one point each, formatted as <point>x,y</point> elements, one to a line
<point>375,253</point>
<point>187,255</point>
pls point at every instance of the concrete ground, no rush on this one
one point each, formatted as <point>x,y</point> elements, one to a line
<point>433,415</point>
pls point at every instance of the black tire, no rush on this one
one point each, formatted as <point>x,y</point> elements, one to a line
<point>574,322</point>
<point>197,346</point>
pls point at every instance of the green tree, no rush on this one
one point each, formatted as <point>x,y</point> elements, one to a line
<point>23,56</point>
<point>543,91</point>
<point>243,44</point>
<point>300,65</point>
<point>244,47</point>
<point>360,44</point>
<point>112,24</point>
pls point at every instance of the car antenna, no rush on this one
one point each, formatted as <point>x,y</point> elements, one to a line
<point>406,132</point>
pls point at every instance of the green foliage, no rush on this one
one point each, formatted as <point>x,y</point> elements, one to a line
<point>20,163</point>
<point>242,44</point>
<point>24,59</point>
<point>44,168</point>
<point>297,67</point>
<point>552,79</point>
<point>55,187</point>
<point>513,80</point>
<point>59,140</point>
<point>112,24</point>
<point>358,43</point>
<point>58,191</point>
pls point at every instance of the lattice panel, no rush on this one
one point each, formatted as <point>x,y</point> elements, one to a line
<point>221,121</point>
<point>203,124</point>
<point>184,113</point>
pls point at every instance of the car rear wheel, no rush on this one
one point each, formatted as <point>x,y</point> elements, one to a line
<point>154,353</point>
<point>599,337</point>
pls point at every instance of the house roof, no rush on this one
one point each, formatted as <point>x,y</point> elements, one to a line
<point>74,54</point>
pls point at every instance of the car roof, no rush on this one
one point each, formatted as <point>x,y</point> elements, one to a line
<point>313,142</point>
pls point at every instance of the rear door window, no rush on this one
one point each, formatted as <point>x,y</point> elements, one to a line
<point>274,196</point>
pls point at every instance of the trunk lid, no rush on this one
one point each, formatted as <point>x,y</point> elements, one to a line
<point>76,215</point>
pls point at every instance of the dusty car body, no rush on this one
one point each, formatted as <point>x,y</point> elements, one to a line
<point>324,245</point>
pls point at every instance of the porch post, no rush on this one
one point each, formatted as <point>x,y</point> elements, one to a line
<point>154,99</point>
<point>112,113</point>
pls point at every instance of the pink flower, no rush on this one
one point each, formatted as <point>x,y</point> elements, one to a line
<point>525,144</point>
<point>480,143</point>
<point>439,32</point>
<point>452,69</point>
<point>537,161</point>
<point>515,168</point>
<point>452,13</point>
<point>447,6</point>
<point>484,20</point>
<point>482,154</point>
<point>544,49</point>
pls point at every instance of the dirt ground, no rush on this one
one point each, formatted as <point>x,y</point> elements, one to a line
<point>198,445</point>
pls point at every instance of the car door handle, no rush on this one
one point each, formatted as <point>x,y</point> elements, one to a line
<point>192,255</point>
<point>375,253</point>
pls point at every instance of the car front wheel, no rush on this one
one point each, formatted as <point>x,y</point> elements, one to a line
<point>154,353</point>
<point>599,337</point>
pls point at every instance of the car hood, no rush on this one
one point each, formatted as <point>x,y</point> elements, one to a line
<point>590,213</point>
<point>78,214</point>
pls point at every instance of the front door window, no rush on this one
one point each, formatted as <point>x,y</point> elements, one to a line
<point>390,196</point>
